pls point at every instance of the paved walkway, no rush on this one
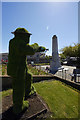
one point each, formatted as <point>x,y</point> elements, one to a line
<point>64,74</point>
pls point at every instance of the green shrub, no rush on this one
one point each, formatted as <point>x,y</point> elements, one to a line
<point>18,49</point>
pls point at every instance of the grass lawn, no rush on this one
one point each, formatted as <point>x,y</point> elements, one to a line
<point>6,92</point>
<point>3,69</point>
<point>42,64</point>
<point>61,100</point>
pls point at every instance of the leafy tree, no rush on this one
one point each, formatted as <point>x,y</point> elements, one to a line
<point>38,48</point>
<point>71,51</point>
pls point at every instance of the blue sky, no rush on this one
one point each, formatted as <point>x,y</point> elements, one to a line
<point>43,20</point>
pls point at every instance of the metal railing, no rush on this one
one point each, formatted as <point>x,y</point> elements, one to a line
<point>64,74</point>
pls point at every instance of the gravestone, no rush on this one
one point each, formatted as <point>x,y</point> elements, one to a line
<point>55,63</point>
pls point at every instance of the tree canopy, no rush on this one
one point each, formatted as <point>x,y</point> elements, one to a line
<point>40,48</point>
<point>71,51</point>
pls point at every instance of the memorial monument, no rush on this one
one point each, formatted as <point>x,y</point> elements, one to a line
<point>55,63</point>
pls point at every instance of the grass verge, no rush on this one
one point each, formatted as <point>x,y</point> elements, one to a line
<point>6,92</point>
<point>62,100</point>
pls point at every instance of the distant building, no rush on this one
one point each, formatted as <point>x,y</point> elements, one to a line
<point>35,57</point>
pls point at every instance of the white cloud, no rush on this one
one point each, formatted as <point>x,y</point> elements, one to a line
<point>47,27</point>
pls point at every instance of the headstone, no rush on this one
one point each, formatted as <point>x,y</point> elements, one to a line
<point>55,63</point>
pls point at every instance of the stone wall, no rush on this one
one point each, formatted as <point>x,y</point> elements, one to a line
<point>6,81</point>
